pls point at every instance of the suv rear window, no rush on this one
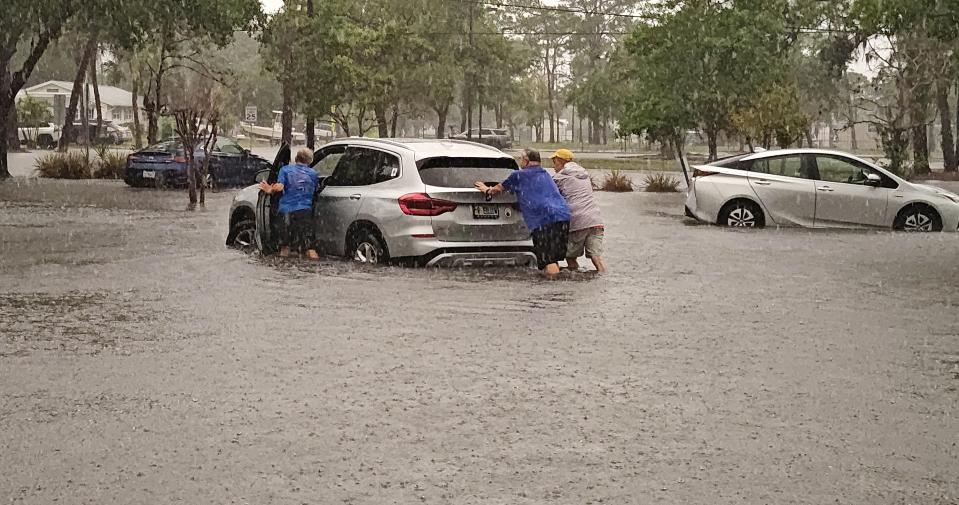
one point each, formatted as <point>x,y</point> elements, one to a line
<point>447,172</point>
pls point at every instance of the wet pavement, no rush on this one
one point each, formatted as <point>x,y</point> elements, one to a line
<point>141,361</point>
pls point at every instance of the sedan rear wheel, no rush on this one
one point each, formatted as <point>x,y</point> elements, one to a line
<point>742,214</point>
<point>162,181</point>
<point>918,218</point>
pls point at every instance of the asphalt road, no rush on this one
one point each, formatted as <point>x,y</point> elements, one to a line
<point>141,361</point>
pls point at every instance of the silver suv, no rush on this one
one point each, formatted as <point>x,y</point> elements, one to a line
<point>404,201</point>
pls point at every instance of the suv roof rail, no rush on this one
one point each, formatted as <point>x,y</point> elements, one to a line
<point>471,143</point>
<point>407,146</point>
<point>382,141</point>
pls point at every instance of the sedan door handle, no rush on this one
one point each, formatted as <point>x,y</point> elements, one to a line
<point>355,197</point>
<point>763,182</point>
<point>825,188</point>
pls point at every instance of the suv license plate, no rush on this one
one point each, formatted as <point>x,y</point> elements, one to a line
<point>485,212</point>
<point>147,174</point>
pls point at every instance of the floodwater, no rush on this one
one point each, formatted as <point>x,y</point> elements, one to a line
<point>142,361</point>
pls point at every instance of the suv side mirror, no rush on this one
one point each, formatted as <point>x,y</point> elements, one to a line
<point>262,175</point>
<point>873,180</point>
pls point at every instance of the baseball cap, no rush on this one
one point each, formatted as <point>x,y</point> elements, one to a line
<point>563,154</point>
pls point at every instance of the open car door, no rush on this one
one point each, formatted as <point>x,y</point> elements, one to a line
<point>266,205</point>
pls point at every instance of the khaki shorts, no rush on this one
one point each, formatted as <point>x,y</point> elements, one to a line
<point>589,241</point>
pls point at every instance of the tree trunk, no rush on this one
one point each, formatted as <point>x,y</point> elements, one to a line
<point>480,125</point>
<point>498,110</point>
<point>920,143</point>
<point>96,96</point>
<point>13,135</point>
<point>572,125</point>
<point>581,129</point>
<point>286,123</point>
<point>153,108</point>
<point>853,141</point>
<point>191,177</point>
<point>137,131</point>
<point>441,113</point>
<point>956,149</point>
<point>711,135</point>
<point>85,117</point>
<point>945,116</point>
<point>394,119</point>
<point>310,120</point>
<point>5,108</point>
<point>382,127</point>
<point>66,133</point>
<point>808,133</point>
<point>311,132</point>
<point>469,115</point>
<point>8,129</point>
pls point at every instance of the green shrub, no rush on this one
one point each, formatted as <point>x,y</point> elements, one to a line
<point>69,165</point>
<point>617,181</point>
<point>661,183</point>
<point>112,165</point>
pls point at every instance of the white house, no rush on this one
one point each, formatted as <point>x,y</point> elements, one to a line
<point>117,103</point>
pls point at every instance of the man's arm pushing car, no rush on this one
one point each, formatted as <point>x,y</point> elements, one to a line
<point>269,189</point>
<point>489,191</point>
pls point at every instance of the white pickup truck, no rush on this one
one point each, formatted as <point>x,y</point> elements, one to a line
<point>44,136</point>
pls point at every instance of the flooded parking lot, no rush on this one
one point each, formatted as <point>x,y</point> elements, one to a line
<point>141,361</point>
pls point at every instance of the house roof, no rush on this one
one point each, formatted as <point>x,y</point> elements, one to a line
<point>110,95</point>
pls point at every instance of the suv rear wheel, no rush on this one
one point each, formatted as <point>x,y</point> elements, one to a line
<point>367,247</point>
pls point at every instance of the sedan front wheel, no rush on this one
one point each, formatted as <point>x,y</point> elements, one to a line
<point>918,218</point>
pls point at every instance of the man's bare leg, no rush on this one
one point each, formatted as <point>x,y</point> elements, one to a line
<point>599,264</point>
<point>285,251</point>
<point>572,263</point>
<point>312,254</point>
<point>552,270</point>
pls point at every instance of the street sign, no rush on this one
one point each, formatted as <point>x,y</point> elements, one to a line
<point>250,114</point>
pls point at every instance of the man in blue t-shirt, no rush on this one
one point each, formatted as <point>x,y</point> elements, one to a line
<point>543,207</point>
<point>298,183</point>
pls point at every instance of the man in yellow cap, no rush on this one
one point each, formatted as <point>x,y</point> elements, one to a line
<point>586,227</point>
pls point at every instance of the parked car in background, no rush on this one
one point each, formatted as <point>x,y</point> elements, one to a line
<point>44,136</point>
<point>817,189</point>
<point>110,133</point>
<point>164,165</point>
<point>410,201</point>
<point>496,137</point>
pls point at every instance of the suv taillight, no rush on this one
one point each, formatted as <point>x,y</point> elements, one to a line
<point>420,204</point>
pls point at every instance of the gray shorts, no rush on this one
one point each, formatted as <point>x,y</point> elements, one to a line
<point>589,241</point>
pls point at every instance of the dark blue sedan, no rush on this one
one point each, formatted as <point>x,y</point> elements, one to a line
<point>163,165</point>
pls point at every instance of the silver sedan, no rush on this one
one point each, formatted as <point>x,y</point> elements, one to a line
<point>817,189</point>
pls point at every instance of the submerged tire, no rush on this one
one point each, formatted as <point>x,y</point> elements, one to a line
<point>162,181</point>
<point>742,214</point>
<point>367,247</point>
<point>918,218</point>
<point>244,235</point>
